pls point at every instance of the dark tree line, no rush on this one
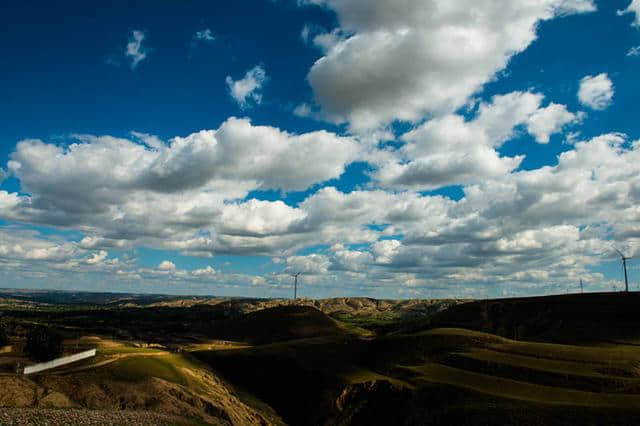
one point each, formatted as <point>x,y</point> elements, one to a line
<point>4,338</point>
<point>43,344</point>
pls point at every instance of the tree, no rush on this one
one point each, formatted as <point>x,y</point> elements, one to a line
<point>43,344</point>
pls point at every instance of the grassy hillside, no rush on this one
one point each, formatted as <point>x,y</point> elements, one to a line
<point>339,380</point>
<point>529,361</point>
<point>279,324</point>
<point>173,387</point>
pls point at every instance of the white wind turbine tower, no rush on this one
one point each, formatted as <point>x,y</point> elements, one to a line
<point>624,266</point>
<point>295,284</point>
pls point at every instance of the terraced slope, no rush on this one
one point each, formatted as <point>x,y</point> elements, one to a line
<point>338,380</point>
<point>536,372</point>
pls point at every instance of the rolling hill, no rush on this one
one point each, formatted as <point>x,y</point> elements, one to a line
<point>557,360</point>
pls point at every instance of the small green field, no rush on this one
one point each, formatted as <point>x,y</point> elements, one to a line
<point>143,367</point>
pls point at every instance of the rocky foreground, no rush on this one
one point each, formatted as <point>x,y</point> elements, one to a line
<point>44,417</point>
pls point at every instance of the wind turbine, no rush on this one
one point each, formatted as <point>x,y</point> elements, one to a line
<point>295,284</point>
<point>624,266</point>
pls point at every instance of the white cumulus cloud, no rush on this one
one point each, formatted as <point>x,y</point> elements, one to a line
<point>247,90</point>
<point>166,265</point>
<point>185,195</point>
<point>596,92</point>
<point>547,121</point>
<point>414,58</point>
<point>96,258</point>
<point>450,150</point>
<point>203,272</point>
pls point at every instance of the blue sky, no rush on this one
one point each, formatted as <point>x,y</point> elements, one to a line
<point>430,149</point>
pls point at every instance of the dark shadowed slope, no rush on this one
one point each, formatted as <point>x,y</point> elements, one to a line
<point>574,318</point>
<point>280,324</point>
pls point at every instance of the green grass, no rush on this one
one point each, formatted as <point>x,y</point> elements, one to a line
<point>169,367</point>
<point>609,354</point>
<point>137,369</point>
<point>367,321</point>
<point>536,372</point>
<point>582,368</point>
<point>512,389</point>
<point>118,350</point>
<point>620,355</point>
<point>355,328</point>
<point>462,332</point>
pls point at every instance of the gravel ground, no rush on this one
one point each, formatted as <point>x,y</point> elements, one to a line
<point>51,417</point>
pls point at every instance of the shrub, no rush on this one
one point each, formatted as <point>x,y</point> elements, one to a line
<point>43,344</point>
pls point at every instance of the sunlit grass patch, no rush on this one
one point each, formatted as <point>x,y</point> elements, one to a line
<point>541,364</point>
<point>620,354</point>
<point>507,388</point>
<point>120,350</point>
<point>141,368</point>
